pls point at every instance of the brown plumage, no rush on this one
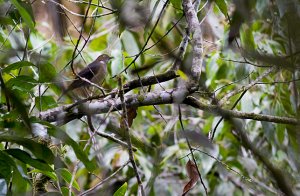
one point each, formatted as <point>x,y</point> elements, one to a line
<point>94,72</point>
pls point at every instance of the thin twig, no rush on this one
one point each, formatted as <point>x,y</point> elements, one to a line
<point>127,132</point>
<point>95,188</point>
<point>191,149</point>
<point>148,38</point>
<point>211,134</point>
<point>246,87</point>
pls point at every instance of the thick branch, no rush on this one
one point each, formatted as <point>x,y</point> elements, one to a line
<point>150,80</point>
<point>62,115</point>
<point>194,26</point>
<point>236,114</point>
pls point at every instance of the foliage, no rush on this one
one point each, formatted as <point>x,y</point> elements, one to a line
<point>250,64</point>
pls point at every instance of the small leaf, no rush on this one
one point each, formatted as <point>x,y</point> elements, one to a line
<point>50,174</point>
<point>122,190</point>
<point>26,158</point>
<point>65,191</point>
<point>193,175</point>
<point>17,65</point>
<point>182,75</point>
<point>67,176</point>
<point>131,114</point>
<point>29,20</point>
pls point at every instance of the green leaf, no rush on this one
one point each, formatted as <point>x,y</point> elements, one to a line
<point>45,102</point>
<point>50,174</point>
<point>67,176</point>
<point>6,166</point>
<point>29,20</point>
<point>17,65</point>
<point>65,191</point>
<point>40,151</point>
<point>222,6</point>
<point>247,38</point>
<point>26,158</point>
<point>6,21</point>
<point>81,155</point>
<point>122,190</point>
<point>47,72</point>
<point>22,83</point>
<point>176,3</point>
<point>21,109</point>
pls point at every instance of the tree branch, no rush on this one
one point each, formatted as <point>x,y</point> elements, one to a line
<point>236,114</point>
<point>63,114</point>
<point>194,27</point>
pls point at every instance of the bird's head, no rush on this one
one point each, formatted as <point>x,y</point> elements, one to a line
<point>104,57</point>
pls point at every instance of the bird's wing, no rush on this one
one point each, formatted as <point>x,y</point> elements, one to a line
<point>88,73</point>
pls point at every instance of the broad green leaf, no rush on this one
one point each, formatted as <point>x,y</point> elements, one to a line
<point>6,166</point>
<point>21,83</point>
<point>247,38</point>
<point>29,20</point>
<point>222,6</point>
<point>26,158</point>
<point>122,190</point>
<point>21,109</point>
<point>45,102</point>
<point>17,65</point>
<point>98,44</point>
<point>280,132</point>
<point>40,151</point>
<point>47,72</point>
<point>50,174</point>
<point>67,176</point>
<point>81,155</point>
<point>130,43</point>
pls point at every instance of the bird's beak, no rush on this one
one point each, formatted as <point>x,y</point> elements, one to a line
<point>111,57</point>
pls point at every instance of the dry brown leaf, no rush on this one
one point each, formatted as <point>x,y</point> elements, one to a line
<point>131,114</point>
<point>193,175</point>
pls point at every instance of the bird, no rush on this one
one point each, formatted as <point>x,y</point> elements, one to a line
<point>95,72</point>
